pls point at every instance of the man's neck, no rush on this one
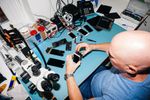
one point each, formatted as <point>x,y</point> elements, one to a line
<point>135,78</point>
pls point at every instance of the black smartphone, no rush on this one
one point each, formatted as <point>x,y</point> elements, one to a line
<point>71,35</point>
<point>83,32</point>
<point>105,23</point>
<point>55,51</point>
<point>76,58</point>
<point>56,62</point>
<point>88,28</point>
<point>104,9</point>
<point>60,42</point>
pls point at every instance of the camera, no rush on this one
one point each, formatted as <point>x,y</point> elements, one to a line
<point>47,83</point>
<point>36,71</point>
<point>36,68</point>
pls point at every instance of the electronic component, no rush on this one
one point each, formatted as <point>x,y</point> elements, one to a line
<point>71,35</point>
<point>58,22</point>
<point>68,18</point>
<point>54,51</point>
<point>69,46</point>
<point>46,86</point>
<point>36,71</point>
<point>53,77</point>
<point>113,15</point>
<point>72,11</point>
<point>52,30</point>
<point>90,40</point>
<point>85,7</point>
<point>56,62</point>
<point>83,32</point>
<point>88,28</point>
<point>77,57</point>
<point>93,22</point>
<point>48,81</point>
<point>132,15</point>
<point>20,61</point>
<point>25,77</point>
<point>58,43</point>
<point>25,51</point>
<point>2,78</point>
<point>104,9</point>
<point>32,88</point>
<point>105,23</point>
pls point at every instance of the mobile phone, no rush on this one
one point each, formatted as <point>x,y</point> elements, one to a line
<point>56,62</point>
<point>76,58</point>
<point>83,32</point>
<point>60,42</point>
<point>71,35</point>
<point>88,28</point>
<point>55,51</point>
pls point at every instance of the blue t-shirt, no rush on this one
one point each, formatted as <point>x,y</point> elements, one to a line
<point>110,85</point>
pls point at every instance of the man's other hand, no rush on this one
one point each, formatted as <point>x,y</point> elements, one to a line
<point>70,65</point>
<point>87,47</point>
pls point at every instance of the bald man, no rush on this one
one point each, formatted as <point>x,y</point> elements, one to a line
<point>129,79</point>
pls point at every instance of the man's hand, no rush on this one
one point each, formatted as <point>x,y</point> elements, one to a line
<point>87,47</point>
<point>70,65</point>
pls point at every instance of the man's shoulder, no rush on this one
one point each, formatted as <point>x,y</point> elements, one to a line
<point>107,73</point>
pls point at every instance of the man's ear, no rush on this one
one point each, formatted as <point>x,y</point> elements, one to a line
<point>131,69</point>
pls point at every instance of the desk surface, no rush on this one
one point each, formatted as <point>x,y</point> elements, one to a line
<point>88,64</point>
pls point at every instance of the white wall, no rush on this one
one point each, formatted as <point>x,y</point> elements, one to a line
<point>16,12</point>
<point>40,7</point>
<point>45,8</point>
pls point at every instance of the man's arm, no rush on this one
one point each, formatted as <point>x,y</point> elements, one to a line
<point>90,47</point>
<point>102,47</point>
<point>73,89</point>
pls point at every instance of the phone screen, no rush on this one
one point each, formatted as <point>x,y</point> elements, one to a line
<point>56,62</point>
<point>83,32</point>
<point>76,58</point>
<point>88,28</point>
<point>72,35</point>
<point>57,52</point>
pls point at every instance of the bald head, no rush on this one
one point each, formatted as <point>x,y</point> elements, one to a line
<point>132,47</point>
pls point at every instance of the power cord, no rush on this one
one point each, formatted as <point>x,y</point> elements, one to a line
<point>41,55</point>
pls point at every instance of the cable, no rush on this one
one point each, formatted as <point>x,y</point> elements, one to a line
<point>52,5</point>
<point>41,54</point>
<point>59,4</point>
<point>63,2</point>
<point>41,16</point>
<point>68,2</point>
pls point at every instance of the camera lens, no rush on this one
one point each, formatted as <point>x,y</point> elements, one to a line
<point>36,71</point>
<point>53,77</point>
<point>46,86</point>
